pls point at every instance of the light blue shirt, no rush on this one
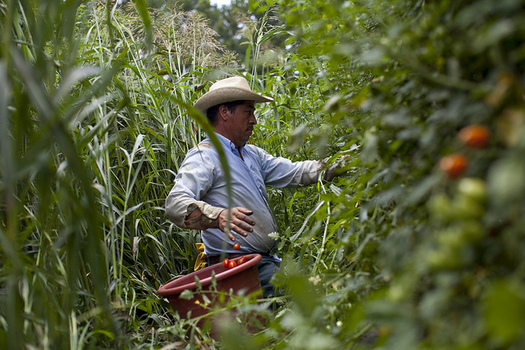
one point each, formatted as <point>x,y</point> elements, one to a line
<point>202,179</point>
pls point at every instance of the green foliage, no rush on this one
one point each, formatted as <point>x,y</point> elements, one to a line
<point>95,107</point>
<point>417,252</point>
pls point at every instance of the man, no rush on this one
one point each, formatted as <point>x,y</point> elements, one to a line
<point>199,197</point>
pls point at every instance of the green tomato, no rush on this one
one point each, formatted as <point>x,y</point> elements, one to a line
<point>473,188</point>
<point>440,207</point>
<point>461,234</point>
<point>444,259</point>
<point>472,231</point>
<point>452,238</point>
<point>466,208</point>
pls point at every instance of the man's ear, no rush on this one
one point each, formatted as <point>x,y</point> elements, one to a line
<point>223,112</point>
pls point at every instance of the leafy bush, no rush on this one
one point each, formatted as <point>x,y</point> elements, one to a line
<point>423,258</point>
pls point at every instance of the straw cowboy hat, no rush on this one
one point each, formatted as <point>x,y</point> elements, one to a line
<point>229,90</point>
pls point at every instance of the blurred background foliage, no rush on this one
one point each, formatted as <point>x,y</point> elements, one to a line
<point>406,249</point>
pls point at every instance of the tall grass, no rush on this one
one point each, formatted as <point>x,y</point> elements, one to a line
<point>52,227</point>
<point>95,127</point>
<point>94,103</point>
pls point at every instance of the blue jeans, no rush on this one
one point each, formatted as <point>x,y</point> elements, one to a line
<point>268,266</point>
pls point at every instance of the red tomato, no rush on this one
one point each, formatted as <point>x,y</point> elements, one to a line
<point>226,262</point>
<point>475,136</point>
<point>454,165</point>
<point>236,246</point>
<point>242,260</point>
<point>232,264</point>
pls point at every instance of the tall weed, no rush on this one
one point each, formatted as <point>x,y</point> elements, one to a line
<point>95,130</point>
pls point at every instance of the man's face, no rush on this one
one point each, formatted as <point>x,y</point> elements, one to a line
<point>241,122</point>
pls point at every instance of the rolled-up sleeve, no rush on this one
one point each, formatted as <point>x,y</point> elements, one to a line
<point>193,180</point>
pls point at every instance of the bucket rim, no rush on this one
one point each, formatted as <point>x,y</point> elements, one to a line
<point>171,288</point>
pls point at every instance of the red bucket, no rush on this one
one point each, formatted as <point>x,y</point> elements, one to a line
<point>243,279</point>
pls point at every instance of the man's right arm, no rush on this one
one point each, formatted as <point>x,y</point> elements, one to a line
<point>187,212</point>
<point>184,208</point>
<point>199,215</point>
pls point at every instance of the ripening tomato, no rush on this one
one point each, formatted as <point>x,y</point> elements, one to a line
<point>241,260</point>
<point>454,165</point>
<point>232,264</point>
<point>475,136</point>
<point>236,246</point>
<point>226,262</point>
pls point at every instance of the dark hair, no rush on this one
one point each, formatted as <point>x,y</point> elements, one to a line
<point>212,112</point>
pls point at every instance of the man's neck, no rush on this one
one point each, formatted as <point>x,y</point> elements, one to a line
<point>238,148</point>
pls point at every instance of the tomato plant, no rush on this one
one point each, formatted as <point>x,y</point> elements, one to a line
<point>398,82</point>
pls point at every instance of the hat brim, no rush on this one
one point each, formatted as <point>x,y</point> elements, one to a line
<point>229,94</point>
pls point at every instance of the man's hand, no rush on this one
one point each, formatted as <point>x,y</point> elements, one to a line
<point>337,168</point>
<point>240,223</point>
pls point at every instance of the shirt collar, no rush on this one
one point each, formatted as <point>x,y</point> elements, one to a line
<point>227,143</point>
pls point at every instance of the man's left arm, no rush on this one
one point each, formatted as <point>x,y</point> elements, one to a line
<point>282,172</point>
